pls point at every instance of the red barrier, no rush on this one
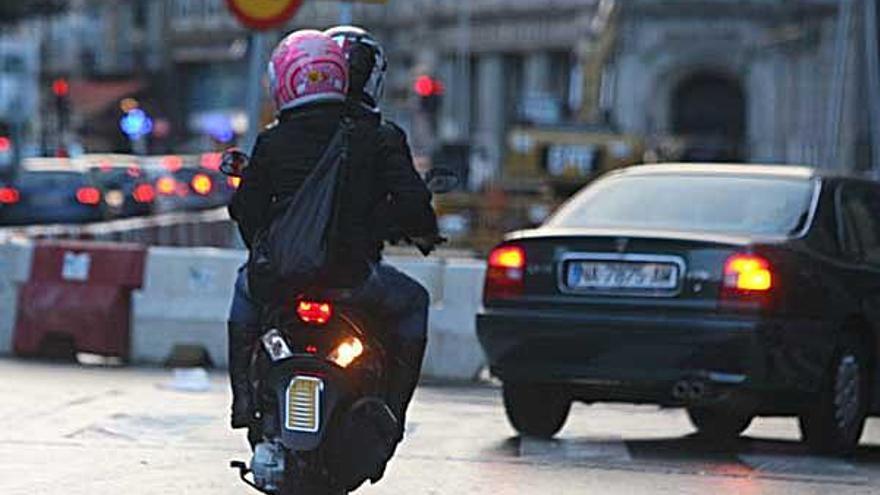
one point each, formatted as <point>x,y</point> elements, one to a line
<point>79,292</point>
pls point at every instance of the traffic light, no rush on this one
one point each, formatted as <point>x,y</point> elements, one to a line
<point>430,92</point>
<point>7,148</point>
<point>61,90</point>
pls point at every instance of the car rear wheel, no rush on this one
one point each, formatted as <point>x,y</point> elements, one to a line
<point>718,423</point>
<point>835,424</point>
<point>536,410</point>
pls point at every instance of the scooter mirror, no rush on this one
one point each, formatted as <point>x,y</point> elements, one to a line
<point>233,162</point>
<point>441,180</point>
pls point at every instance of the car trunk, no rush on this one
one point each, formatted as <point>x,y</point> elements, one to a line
<point>685,269</point>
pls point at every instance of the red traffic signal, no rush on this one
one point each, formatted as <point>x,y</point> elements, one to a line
<point>60,87</point>
<point>427,86</point>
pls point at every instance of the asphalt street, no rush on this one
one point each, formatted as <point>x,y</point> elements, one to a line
<point>91,431</point>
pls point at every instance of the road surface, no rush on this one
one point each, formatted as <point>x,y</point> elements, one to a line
<point>125,431</point>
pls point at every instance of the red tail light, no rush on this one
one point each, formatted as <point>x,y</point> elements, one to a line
<point>504,277</point>
<point>747,278</point>
<point>211,161</point>
<point>748,273</point>
<point>166,186</point>
<point>172,163</point>
<point>5,144</point>
<point>201,184</point>
<point>88,196</point>
<point>314,312</point>
<point>9,195</point>
<point>144,193</point>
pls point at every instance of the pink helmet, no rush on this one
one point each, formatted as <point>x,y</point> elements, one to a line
<point>307,66</point>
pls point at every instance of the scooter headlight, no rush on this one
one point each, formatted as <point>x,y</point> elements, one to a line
<point>347,352</point>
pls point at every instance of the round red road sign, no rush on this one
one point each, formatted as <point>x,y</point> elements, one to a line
<point>264,14</point>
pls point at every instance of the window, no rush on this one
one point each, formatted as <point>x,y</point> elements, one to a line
<point>775,206</point>
<point>824,232</point>
<point>861,211</point>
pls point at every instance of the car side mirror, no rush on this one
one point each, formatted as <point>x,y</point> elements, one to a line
<point>233,162</point>
<point>441,180</point>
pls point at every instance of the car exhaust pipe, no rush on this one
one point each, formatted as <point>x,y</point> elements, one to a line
<point>698,390</point>
<point>688,390</point>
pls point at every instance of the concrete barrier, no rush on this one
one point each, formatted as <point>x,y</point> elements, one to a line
<point>15,269</point>
<point>187,292</point>
<point>184,302</point>
<point>453,349</point>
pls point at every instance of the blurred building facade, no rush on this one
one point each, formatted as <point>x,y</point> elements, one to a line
<point>738,80</point>
<point>772,81</point>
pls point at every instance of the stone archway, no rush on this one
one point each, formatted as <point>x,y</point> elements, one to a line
<point>708,110</point>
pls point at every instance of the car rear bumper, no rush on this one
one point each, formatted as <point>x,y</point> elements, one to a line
<point>26,215</point>
<point>641,357</point>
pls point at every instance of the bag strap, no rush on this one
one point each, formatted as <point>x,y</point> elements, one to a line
<point>346,129</point>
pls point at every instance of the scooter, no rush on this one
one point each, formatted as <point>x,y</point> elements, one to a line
<point>319,375</point>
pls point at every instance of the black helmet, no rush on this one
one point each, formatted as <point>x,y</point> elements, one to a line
<point>367,63</point>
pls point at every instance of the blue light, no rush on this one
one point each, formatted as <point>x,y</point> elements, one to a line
<point>136,124</point>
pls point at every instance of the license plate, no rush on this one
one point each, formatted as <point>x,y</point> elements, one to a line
<point>621,275</point>
<point>304,404</point>
<point>115,198</point>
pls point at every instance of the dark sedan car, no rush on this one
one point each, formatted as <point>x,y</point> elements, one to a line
<point>38,196</point>
<point>126,189</point>
<point>733,291</point>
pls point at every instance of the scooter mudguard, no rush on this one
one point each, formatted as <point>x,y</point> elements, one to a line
<point>308,392</point>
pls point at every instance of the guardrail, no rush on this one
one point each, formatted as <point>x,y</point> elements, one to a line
<point>210,228</point>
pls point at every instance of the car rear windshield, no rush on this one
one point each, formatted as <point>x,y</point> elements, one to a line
<point>701,203</point>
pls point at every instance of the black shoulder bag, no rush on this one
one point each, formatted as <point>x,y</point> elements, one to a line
<point>291,251</point>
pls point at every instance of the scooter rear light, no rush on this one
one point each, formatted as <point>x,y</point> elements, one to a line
<point>314,312</point>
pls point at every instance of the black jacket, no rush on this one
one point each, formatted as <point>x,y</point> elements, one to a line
<point>382,185</point>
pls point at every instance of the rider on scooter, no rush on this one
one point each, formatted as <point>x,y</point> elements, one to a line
<point>308,72</point>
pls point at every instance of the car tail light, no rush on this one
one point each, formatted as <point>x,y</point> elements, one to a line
<point>233,182</point>
<point>9,196</point>
<point>314,312</point>
<point>166,186</point>
<point>144,193</point>
<point>201,184</point>
<point>748,278</point>
<point>211,161</point>
<point>88,196</point>
<point>504,277</point>
<point>347,352</point>
<point>172,163</point>
<point>5,144</point>
<point>747,273</point>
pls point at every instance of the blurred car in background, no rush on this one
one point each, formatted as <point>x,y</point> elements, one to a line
<point>51,195</point>
<point>187,183</point>
<point>127,190</point>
